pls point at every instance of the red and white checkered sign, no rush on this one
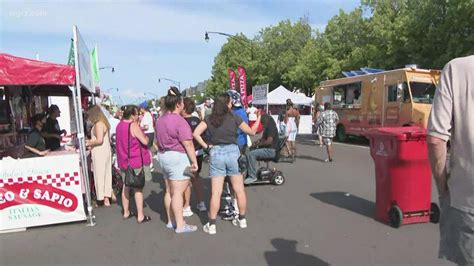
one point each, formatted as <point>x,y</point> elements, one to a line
<point>57,180</point>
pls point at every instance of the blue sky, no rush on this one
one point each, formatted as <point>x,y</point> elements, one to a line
<point>145,40</point>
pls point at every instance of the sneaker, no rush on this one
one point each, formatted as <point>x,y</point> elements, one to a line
<point>187,228</point>
<point>201,206</point>
<point>170,226</point>
<point>328,160</point>
<point>249,180</point>
<point>210,229</point>
<point>187,212</point>
<point>240,223</point>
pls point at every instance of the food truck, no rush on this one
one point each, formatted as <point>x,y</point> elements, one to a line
<point>370,99</point>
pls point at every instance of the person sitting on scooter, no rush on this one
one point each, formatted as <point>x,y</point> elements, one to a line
<point>266,148</point>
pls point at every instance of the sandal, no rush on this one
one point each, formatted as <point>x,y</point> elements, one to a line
<point>146,218</point>
<point>106,202</point>
<point>131,214</point>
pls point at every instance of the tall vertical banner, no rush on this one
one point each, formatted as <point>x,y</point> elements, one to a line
<point>95,69</point>
<point>243,84</point>
<point>83,62</point>
<point>232,78</point>
<point>70,59</point>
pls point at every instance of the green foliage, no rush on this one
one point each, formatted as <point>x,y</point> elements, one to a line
<point>384,34</point>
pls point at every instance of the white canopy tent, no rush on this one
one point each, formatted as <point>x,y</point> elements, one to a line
<point>279,96</point>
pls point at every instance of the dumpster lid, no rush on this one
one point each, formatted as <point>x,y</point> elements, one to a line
<point>401,133</point>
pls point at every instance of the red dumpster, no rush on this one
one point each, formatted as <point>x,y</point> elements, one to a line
<point>402,176</point>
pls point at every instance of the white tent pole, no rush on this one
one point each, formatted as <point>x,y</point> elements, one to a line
<point>81,135</point>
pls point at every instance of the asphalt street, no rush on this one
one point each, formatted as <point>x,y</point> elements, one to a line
<point>322,215</point>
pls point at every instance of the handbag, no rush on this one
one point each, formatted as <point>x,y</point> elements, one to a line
<point>132,179</point>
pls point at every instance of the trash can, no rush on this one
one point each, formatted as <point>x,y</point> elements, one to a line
<point>402,176</point>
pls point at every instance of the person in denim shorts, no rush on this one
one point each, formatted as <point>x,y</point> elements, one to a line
<point>224,153</point>
<point>177,159</point>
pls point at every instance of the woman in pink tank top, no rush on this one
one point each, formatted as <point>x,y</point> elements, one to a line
<point>138,150</point>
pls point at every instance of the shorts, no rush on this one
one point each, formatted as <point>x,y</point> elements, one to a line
<point>151,139</point>
<point>224,160</point>
<point>327,141</point>
<point>146,169</point>
<point>174,165</point>
<point>456,229</point>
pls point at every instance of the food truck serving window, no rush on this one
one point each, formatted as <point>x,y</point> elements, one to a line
<point>422,92</point>
<point>346,95</point>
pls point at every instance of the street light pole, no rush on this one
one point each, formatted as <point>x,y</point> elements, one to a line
<point>108,67</point>
<point>175,82</point>
<point>237,38</point>
<point>118,94</point>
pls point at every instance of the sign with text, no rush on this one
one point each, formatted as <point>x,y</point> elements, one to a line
<point>259,93</point>
<point>243,84</point>
<point>232,77</point>
<point>40,191</point>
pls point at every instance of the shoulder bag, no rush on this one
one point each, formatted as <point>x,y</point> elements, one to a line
<point>132,179</point>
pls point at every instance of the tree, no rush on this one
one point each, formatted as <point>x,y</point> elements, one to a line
<point>235,52</point>
<point>385,34</point>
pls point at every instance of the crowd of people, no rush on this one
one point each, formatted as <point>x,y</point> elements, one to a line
<point>179,137</point>
<point>182,135</point>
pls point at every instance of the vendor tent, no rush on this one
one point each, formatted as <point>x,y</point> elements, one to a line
<point>43,77</point>
<point>279,96</point>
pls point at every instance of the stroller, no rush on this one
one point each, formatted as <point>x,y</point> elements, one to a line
<point>229,209</point>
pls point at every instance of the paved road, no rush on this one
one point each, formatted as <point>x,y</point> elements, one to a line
<point>307,221</point>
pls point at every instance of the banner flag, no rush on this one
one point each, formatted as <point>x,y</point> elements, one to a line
<point>95,68</point>
<point>70,60</point>
<point>232,77</point>
<point>243,84</point>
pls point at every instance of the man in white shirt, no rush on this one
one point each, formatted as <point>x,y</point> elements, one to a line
<point>252,112</point>
<point>452,119</point>
<point>146,123</point>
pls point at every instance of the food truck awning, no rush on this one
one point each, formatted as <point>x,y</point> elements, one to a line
<point>43,78</point>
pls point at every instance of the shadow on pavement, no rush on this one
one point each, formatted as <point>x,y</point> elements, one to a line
<point>286,254</point>
<point>311,158</point>
<point>309,140</point>
<point>154,201</point>
<point>350,202</point>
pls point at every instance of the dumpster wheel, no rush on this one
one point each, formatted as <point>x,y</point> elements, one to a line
<point>395,216</point>
<point>434,213</point>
